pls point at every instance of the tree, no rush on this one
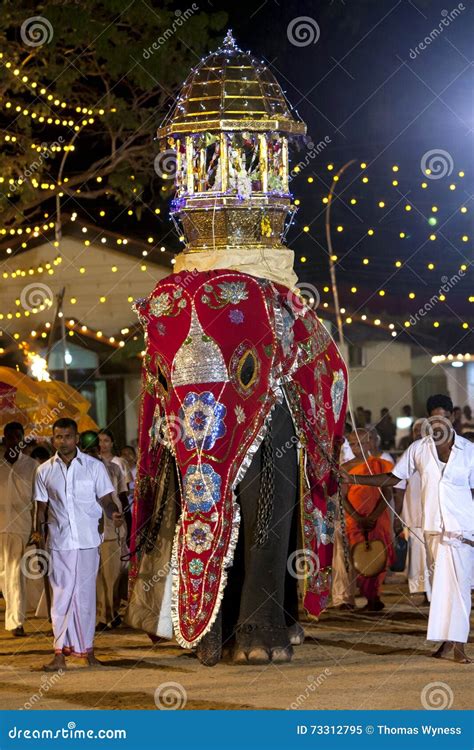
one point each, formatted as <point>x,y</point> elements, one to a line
<point>84,86</point>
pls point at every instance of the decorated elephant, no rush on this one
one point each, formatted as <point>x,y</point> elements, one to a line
<point>243,407</point>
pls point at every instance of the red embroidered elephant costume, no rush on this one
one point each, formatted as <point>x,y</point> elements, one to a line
<point>228,336</point>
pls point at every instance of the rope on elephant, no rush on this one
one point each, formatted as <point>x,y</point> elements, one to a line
<point>267,489</point>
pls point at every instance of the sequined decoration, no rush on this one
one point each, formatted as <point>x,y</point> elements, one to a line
<point>325,523</point>
<point>245,369</point>
<point>168,303</point>
<point>226,293</point>
<point>199,360</point>
<point>202,419</point>
<point>338,389</point>
<point>202,488</point>
<point>199,537</point>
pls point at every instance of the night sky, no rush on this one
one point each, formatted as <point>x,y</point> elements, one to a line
<point>366,87</point>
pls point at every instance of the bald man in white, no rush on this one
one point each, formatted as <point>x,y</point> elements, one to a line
<point>445,463</point>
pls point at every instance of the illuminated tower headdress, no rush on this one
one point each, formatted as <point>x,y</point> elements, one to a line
<point>230,128</point>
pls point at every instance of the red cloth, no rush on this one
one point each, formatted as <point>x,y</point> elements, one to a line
<point>364,500</point>
<point>204,330</point>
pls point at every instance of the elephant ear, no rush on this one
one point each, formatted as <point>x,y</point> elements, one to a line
<point>150,456</point>
<point>317,394</point>
<point>212,356</point>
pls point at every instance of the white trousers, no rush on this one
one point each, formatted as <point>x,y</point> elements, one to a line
<point>343,582</point>
<point>108,579</point>
<point>72,575</point>
<point>12,580</point>
<point>450,563</point>
<point>418,574</point>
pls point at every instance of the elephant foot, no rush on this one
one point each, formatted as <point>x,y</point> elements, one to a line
<point>296,634</point>
<point>261,656</point>
<point>282,655</point>
<point>260,645</point>
<point>209,648</point>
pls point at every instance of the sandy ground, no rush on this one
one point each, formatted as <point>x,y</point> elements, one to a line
<point>348,661</point>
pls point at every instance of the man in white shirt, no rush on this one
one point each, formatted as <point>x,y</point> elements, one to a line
<point>445,462</point>
<point>73,489</point>
<point>16,517</point>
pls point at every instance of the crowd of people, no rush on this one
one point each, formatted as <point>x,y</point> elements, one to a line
<point>427,494</point>
<point>394,438</point>
<point>74,506</point>
<point>70,502</point>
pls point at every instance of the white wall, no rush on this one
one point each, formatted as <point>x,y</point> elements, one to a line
<point>461,383</point>
<point>385,381</point>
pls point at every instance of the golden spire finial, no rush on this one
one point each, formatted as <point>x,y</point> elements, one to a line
<point>229,40</point>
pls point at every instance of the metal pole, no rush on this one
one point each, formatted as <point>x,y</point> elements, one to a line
<point>332,267</point>
<point>63,336</point>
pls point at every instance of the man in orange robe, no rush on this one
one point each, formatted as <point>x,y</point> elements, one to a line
<point>367,514</point>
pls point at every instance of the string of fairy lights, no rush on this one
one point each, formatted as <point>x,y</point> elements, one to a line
<point>55,111</point>
<point>100,235</point>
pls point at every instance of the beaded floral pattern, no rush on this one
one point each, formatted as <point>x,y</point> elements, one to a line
<point>203,420</point>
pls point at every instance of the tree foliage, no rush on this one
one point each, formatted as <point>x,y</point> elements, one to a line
<point>101,79</point>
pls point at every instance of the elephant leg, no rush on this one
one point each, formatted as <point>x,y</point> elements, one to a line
<point>262,631</point>
<point>295,630</point>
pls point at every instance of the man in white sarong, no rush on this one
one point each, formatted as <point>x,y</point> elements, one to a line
<point>72,489</point>
<point>16,518</point>
<point>445,462</point>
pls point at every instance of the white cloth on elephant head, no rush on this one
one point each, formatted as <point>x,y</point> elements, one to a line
<point>272,263</point>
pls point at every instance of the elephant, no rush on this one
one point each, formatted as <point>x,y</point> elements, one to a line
<point>241,422</point>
